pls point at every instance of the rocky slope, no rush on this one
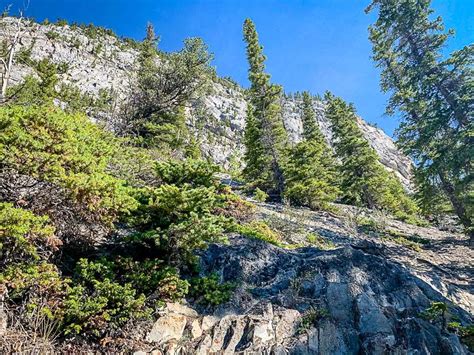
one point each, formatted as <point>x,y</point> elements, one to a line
<point>100,61</point>
<point>355,291</point>
<point>334,286</point>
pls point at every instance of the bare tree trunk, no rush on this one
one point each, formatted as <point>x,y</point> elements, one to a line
<point>7,62</point>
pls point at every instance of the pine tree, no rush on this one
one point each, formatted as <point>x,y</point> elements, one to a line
<point>310,127</point>
<point>435,97</point>
<point>365,182</point>
<point>311,169</point>
<point>265,136</point>
<point>155,113</point>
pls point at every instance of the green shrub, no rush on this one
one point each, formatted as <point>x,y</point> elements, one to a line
<point>258,230</point>
<point>24,236</point>
<point>98,301</point>
<point>147,276</point>
<point>34,284</point>
<point>178,220</point>
<point>171,287</point>
<point>407,243</point>
<point>366,225</point>
<point>319,242</point>
<point>190,171</point>
<point>67,150</point>
<point>311,319</point>
<point>234,206</point>
<point>183,214</point>
<point>465,333</point>
<point>260,196</point>
<point>104,306</point>
<point>438,312</point>
<point>210,291</point>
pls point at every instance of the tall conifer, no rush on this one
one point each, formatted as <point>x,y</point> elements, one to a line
<point>310,170</point>
<point>435,97</point>
<point>265,135</point>
<point>365,182</point>
<point>310,127</point>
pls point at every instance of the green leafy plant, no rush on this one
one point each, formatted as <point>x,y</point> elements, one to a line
<point>106,304</point>
<point>98,300</point>
<point>191,171</point>
<point>367,225</point>
<point>407,243</point>
<point>210,291</point>
<point>233,206</point>
<point>436,312</point>
<point>24,236</point>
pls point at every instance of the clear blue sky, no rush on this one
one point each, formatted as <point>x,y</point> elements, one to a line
<point>314,45</point>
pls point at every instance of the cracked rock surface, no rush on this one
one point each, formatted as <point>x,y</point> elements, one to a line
<point>365,303</point>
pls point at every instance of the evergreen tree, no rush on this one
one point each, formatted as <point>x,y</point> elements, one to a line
<point>265,136</point>
<point>310,127</point>
<point>310,170</point>
<point>166,82</point>
<point>365,182</point>
<point>435,97</point>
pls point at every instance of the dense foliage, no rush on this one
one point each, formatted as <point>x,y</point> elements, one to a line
<point>173,206</point>
<point>99,230</point>
<point>310,170</point>
<point>67,151</point>
<point>364,181</point>
<point>154,113</point>
<point>435,97</point>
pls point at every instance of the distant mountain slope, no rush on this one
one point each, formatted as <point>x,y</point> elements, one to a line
<point>97,60</point>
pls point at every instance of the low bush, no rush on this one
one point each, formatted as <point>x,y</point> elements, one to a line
<point>177,220</point>
<point>260,196</point>
<point>210,291</point>
<point>191,171</point>
<point>234,206</point>
<point>24,236</point>
<point>319,242</point>
<point>258,230</point>
<point>311,319</point>
<point>67,150</point>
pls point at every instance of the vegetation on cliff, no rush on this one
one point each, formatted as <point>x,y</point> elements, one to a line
<point>99,227</point>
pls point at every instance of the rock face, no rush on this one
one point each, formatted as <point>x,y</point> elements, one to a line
<point>309,301</point>
<point>217,119</point>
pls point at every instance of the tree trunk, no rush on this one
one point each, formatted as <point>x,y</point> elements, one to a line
<point>7,62</point>
<point>458,206</point>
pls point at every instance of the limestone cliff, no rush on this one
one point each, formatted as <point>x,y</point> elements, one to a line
<point>104,62</point>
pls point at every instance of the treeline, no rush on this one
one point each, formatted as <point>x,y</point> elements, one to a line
<point>435,97</point>
<point>308,173</point>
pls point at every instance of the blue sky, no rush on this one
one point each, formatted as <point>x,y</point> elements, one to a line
<point>314,45</point>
